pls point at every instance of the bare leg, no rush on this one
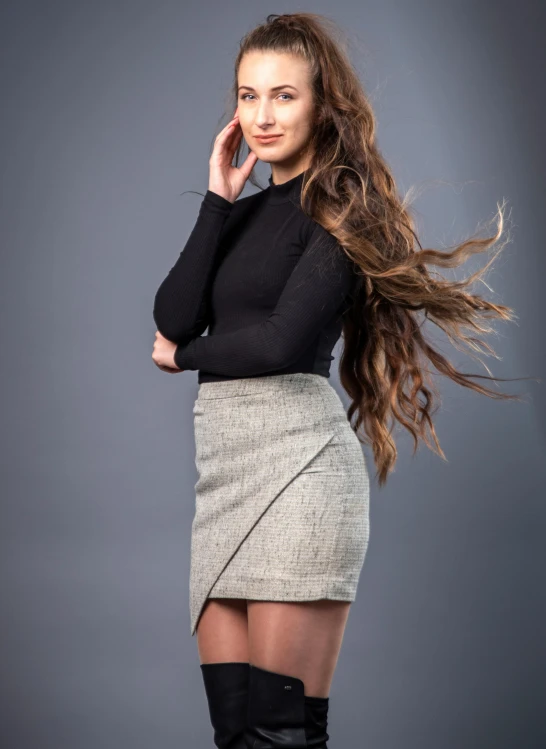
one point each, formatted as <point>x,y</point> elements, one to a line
<point>300,639</point>
<point>222,631</point>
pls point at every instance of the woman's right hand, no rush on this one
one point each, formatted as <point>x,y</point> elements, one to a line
<point>224,179</point>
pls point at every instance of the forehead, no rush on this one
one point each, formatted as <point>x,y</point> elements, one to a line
<point>264,70</point>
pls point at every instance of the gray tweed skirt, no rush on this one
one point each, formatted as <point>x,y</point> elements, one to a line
<point>282,496</point>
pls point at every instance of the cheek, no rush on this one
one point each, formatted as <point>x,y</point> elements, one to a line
<point>246,131</point>
<point>301,131</point>
<point>299,124</point>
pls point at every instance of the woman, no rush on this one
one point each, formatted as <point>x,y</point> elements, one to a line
<point>281,526</point>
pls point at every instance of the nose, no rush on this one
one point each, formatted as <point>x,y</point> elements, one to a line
<point>264,115</point>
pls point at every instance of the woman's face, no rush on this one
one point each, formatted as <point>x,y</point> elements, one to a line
<point>275,98</point>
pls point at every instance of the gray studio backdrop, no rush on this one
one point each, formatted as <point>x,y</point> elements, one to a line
<point>108,113</point>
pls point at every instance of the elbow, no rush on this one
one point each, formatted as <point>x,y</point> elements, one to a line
<point>177,323</point>
<point>174,331</point>
<point>164,326</point>
<point>170,325</point>
<point>163,320</point>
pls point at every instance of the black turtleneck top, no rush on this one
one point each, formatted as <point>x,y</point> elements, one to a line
<point>268,282</point>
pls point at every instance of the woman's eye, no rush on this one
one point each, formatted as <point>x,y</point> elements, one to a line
<point>243,96</point>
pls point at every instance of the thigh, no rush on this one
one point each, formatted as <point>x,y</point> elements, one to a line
<point>222,631</point>
<point>300,639</point>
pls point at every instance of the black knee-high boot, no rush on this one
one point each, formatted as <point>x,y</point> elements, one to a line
<point>226,687</point>
<point>276,711</point>
<point>316,721</point>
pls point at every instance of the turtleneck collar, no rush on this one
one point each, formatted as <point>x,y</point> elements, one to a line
<point>289,190</point>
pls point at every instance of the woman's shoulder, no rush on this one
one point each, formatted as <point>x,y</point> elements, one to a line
<point>314,235</point>
<point>251,199</point>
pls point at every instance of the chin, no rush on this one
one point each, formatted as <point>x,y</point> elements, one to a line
<point>278,158</point>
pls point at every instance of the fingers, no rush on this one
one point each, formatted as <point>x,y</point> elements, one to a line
<point>228,144</point>
<point>227,139</point>
<point>233,140</point>
<point>227,129</point>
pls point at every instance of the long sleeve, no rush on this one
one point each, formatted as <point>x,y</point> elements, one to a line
<point>313,294</point>
<point>181,304</point>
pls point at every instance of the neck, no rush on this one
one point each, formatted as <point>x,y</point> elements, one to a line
<point>283,172</point>
<point>288,190</point>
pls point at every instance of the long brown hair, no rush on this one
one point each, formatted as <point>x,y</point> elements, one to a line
<point>351,192</point>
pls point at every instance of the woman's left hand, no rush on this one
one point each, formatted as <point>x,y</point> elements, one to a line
<point>163,354</point>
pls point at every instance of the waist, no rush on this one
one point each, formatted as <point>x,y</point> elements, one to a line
<point>296,382</point>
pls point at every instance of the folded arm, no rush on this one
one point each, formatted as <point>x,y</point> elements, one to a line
<point>313,294</point>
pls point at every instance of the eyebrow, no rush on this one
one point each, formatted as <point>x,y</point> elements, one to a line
<point>274,88</point>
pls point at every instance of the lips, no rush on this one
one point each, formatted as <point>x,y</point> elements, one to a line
<point>268,138</point>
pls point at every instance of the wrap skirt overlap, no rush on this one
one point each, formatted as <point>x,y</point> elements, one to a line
<point>282,496</point>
